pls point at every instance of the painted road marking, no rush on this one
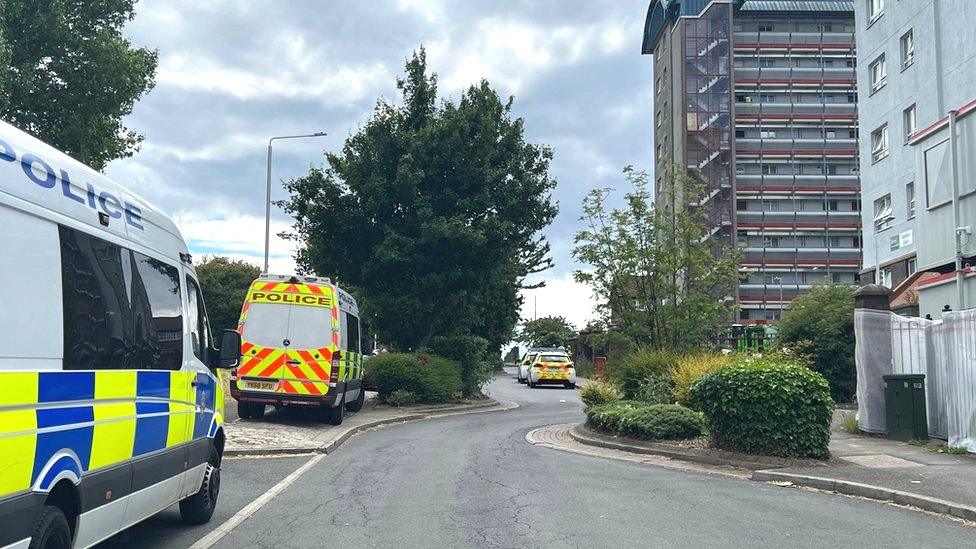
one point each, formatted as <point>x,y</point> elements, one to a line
<point>218,533</point>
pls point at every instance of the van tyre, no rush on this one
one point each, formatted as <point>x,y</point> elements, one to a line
<point>532,384</point>
<point>249,410</point>
<point>357,404</point>
<point>333,414</point>
<point>51,531</point>
<point>198,508</point>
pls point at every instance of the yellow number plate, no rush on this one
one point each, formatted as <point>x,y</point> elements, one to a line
<point>260,385</point>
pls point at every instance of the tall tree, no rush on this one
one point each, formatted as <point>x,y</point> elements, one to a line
<point>548,331</point>
<point>69,76</point>
<point>660,279</point>
<point>224,282</point>
<point>431,212</point>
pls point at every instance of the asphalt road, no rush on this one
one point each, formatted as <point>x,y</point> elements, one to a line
<point>473,481</point>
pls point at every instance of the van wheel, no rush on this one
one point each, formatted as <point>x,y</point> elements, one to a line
<point>357,404</point>
<point>51,531</point>
<point>531,384</point>
<point>333,414</point>
<point>198,508</point>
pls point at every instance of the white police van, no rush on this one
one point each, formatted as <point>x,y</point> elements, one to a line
<point>110,410</point>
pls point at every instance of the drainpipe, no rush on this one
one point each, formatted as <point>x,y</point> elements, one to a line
<point>956,207</point>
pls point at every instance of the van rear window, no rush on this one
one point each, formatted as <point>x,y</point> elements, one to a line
<point>122,309</point>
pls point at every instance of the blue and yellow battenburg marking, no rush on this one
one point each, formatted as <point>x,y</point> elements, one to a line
<point>71,423</point>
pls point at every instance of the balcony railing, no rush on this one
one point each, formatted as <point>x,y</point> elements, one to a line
<point>834,41</point>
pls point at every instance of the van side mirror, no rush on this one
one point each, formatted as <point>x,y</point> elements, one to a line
<point>230,349</point>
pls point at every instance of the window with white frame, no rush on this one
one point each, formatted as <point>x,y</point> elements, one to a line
<point>765,27</point>
<point>907,49</point>
<point>912,266</point>
<point>768,169</point>
<point>875,9</point>
<point>878,73</point>
<point>883,216</point>
<point>908,116</point>
<point>910,199</point>
<point>884,277</point>
<point>879,143</point>
<point>767,134</point>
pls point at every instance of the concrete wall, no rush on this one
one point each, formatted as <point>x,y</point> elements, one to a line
<point>942,77</point>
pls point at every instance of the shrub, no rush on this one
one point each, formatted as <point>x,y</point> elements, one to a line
<point>661,422</point>
<point>763,407</point>
<point>401,397</point>
<point>638,365</point>
<point>430,378</point>
<point>820,323</point>
<point>598,393</point>
<point>609,416</point>
<point>471,355</point>
<point>646,421</point>
<point>691,367</point>
<point>655,389</point>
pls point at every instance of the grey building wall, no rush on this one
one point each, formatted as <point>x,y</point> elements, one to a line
<point>941,76</point>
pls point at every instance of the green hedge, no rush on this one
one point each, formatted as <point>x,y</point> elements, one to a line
<point>429,378</point>
<point>646,421</point>
<point>597,393</point>
<point>777,409</point>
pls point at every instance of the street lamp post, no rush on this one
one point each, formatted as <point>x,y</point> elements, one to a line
<point>267,205</point>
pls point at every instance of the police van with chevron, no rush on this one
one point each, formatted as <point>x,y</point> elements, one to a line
<point>300,347</point>
<point>110,410</point>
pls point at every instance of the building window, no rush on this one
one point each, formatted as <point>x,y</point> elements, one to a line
<point>878,73</point>
<point>912,266</point>
<point>907,49</point>
<point>770,205</point>
<point>767,134</point>
<point>768,169</point>
<point>910,198</point>
<point>771,242</point>
<point>765,62</point>
<point>825,27</point>
<point>766,98</point>
<point>834,242</point>
<point>831,205</point>
<point>908,116</point>
<point>879,143</point>
<point>851,98</point>
<point>883,216</point>
<point>884,277</point>
<point>831,169</point>
<point>875,9</point>
<point>765,27</point>
<point>740,134</point>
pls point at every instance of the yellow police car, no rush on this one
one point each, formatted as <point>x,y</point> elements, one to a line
<point>110,410</point>
<point>552,368</point>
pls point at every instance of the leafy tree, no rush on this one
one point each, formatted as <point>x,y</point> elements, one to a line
<point>68,76</point>
<point>224,283</point>
<point>431,213</point>
<point>820,324</point>
<point>662,282</point>
<point>548,331</point>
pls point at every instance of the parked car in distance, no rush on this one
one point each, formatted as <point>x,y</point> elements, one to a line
<point>552,367</point>
<point>523,367</point>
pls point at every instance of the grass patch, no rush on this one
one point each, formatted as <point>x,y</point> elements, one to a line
<point>957,450</point>
<point>850,425</point>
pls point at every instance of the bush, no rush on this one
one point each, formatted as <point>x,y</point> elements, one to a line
<point>820,323</point>
<point>401,397</point>
<point>471,355</point>
<point>691,367</point>
<point>763,407</point>
<point>430,378</point>
<point>598,393</point>
<point>646,421</point>
<point>636,366</point>
<point>655,389</point>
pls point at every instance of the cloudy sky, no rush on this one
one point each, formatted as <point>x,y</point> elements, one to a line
<point>232,73</point>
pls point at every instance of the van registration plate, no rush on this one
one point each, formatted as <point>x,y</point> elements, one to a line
<point>260,385</point>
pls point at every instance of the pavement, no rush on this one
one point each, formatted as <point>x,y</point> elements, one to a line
<point>879,468</point>
<point>291,431</point>
<point>472,480</point>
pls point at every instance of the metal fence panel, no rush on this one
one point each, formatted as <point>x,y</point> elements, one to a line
<point>961,378</point>
<point>873,361</point>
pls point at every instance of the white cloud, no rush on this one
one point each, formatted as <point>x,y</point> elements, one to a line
<point>238,236</point>
<point>306,77</point>
<point>511,53</point>
<point>561,296</point>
